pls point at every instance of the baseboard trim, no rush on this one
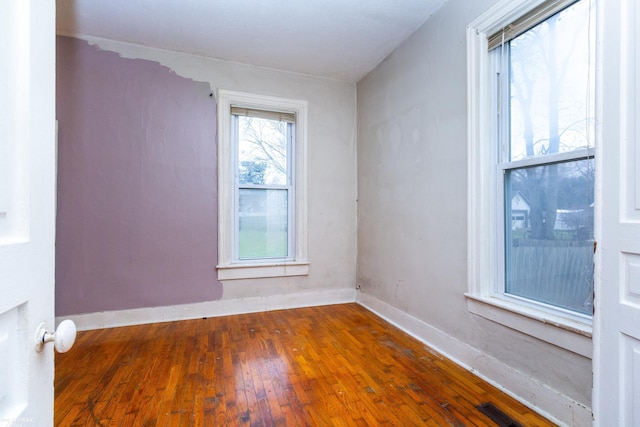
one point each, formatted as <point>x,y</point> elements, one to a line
<point>139,316</point>
<point>550,403</point>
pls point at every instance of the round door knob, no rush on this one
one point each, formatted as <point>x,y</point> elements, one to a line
<point>63,338</point>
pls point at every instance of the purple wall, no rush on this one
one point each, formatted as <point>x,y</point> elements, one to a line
<point>137,184</point>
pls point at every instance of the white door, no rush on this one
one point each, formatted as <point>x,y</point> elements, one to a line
<point>27,209</point>
<point>616,363</point>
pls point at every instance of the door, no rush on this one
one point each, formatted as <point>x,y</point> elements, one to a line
<point>27,209</point>
<point>616,363</point>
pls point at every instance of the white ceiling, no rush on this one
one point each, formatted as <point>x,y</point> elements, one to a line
<point>340,39</point>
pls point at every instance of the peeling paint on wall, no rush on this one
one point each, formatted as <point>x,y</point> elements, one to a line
<point>137,184</point>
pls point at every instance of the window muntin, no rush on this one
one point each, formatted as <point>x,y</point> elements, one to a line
<point>264,186</point>
<point>264,150</point>
<point>544,133</point>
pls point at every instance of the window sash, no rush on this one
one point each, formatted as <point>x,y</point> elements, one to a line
<point>260,235</point>
<point>577,251</point>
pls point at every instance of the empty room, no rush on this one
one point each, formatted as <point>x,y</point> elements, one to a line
<point>455,238</point>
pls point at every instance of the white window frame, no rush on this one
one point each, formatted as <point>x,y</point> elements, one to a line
<point>557,327</point>
<point>297,264</point>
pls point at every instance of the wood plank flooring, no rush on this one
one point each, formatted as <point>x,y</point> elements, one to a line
<point>336,365</point>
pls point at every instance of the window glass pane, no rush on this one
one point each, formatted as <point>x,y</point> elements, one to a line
<point>263,224</point>
<point>262,151</point>
<point>549,234</point>
<point>551,88</point>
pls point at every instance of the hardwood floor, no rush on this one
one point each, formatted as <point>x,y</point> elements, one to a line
<point>335,365</point>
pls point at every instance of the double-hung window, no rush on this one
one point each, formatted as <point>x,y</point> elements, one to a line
<point>531,167</point>
<point>264,186</point>
<point>262,180</point>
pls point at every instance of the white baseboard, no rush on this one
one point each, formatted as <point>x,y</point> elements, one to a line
<point>139,316</point>
<point>550,403</point>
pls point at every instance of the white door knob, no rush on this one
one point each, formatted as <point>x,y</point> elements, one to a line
<point>63,338</point>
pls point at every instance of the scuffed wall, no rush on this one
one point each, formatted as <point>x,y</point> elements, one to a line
<point>412,192</point>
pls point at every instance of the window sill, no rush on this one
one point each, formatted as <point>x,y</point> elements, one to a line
<point>256,271</point>
<point>572,335</point>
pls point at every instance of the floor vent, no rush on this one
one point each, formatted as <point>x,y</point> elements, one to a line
<point>499,417</point>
